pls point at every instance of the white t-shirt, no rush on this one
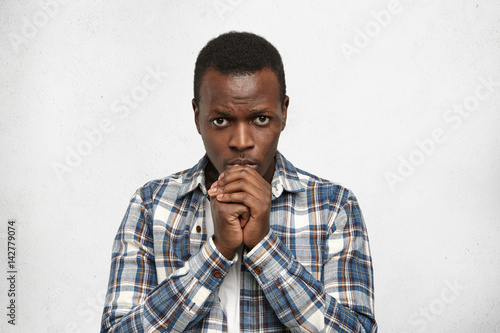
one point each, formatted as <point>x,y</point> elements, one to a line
<point>229,290</point>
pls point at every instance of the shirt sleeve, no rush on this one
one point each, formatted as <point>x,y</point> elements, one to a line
<point>342,301</point>
<point>136,301</point>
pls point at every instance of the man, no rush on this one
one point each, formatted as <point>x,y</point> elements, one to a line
<point>243,241</point>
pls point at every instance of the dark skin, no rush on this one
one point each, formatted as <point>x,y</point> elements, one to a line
<point>240,119</point>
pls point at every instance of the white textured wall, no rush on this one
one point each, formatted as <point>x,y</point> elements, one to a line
<point>363,113</point>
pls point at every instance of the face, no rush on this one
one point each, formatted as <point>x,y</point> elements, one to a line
<point>240,119</point>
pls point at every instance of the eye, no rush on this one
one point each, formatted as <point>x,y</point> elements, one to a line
<point>262,120</point>
<point>220,122</point>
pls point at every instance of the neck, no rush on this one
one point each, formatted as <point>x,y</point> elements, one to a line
<point>211,174</point>
<point>268,175</point>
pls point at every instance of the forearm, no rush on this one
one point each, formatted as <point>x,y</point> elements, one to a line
<point>177,303</point>
<point>301,302</point>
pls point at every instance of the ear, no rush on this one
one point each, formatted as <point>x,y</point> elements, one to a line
<point>284,109</point>
<point>196,115</point>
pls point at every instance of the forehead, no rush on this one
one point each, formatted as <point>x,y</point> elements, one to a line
<point>260,86</point>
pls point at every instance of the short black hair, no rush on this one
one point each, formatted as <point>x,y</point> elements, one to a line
<point>238,53</point>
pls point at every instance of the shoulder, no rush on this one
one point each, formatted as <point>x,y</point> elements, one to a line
<point>314,187</point>
<point>338,203</point>
<point>170,186</point>
<point>169,189</point>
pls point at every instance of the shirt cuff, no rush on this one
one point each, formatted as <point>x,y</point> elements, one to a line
<point>209,266</point>
<point>268,258</point>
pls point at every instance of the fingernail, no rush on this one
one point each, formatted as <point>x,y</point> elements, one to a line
<point>214,184</point>
<point>220,176</point>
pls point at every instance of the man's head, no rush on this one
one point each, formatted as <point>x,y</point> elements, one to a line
<point>238,53</point>
<point>240,103</point>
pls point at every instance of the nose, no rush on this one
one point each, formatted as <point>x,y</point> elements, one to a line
<point>242,137</point>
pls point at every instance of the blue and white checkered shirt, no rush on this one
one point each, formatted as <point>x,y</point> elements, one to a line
<point>311,273</point>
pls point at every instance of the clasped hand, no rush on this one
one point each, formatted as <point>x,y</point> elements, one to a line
<point>241,203</point>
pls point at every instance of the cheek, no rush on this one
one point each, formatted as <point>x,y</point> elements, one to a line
<point>269,143</point>
<point>212,141</point>
<point>209,144</point>
<point>272,137</point>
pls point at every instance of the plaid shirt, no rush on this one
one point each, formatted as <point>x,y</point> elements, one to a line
<point>311,273</point>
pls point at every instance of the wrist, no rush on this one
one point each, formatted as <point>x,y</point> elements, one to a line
<point>227,253</point>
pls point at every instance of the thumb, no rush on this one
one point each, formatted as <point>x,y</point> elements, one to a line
<point>244,217</point>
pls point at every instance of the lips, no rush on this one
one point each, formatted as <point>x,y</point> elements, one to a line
<point>249,163</point>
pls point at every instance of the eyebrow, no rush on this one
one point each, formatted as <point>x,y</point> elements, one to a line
<point>260,111</point>
<point>221,113</point>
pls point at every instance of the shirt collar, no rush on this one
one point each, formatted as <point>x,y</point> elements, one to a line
<point>285,177</point>
<point>195,178</point>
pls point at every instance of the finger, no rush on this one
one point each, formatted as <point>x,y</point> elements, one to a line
<point>212,191</point>
<point>241,180</point>
<point>231,211</point>
<point>243,185</point>
<point>240,171</point>
<point>244,218</point>
<point>253,203</point>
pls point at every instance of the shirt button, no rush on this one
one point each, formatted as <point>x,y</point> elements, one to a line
<point>198,229</point>
<point>216,274</point>
<point>200,312</point>
<point>257,270</point>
